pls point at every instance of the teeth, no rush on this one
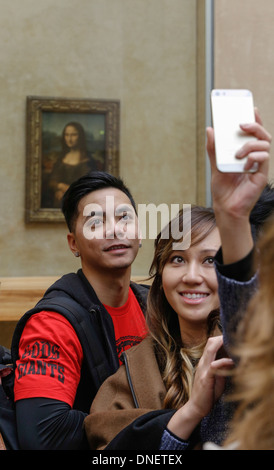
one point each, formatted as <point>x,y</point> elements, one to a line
<point>117,247</point>
<point>194,296</point>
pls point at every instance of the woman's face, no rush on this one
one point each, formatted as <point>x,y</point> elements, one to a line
<point>190,283</point>
<point>71,136</point>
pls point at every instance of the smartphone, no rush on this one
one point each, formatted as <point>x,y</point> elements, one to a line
<point>230,108</point>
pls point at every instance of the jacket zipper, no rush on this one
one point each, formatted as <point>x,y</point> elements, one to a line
<point>125,361</point>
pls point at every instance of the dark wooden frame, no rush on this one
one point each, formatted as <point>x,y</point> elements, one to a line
<point>36,106</point>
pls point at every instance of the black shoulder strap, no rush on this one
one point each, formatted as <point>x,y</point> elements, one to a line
<point>79,318</point>
<point>5,355</point>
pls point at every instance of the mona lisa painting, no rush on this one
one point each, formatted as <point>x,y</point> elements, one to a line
<point>66,138</point>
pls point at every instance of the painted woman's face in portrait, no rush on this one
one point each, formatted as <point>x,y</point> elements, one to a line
<point>71,136</point>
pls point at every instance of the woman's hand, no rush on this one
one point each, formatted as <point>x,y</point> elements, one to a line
<point>209,383</point>
<point>235,194</point>
<point>207,388</point>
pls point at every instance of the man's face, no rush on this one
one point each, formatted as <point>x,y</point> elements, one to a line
<point>106,231</point>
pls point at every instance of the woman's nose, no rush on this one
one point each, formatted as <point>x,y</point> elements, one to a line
<point>192,274</point>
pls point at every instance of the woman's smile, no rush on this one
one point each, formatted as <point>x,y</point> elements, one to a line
<point>194,298</point>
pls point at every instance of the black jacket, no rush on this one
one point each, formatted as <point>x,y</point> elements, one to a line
<point>77,287</point>
<point>61,427</point>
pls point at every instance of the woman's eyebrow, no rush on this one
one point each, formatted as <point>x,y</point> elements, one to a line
<point>209,250</point>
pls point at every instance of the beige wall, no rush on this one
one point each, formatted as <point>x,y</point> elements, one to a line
<point>149,55</point>
<point>244,38</point>
<point>142,52</point>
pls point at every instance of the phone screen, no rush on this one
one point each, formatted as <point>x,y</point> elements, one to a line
<point>230,108</point>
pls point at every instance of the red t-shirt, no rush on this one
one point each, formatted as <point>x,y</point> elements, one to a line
<point>50,354</point>
<point>129,323</point>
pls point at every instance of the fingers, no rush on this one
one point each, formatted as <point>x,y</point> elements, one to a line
<point>255,160</point>
<point>224,363</point>
<point>257,150</point>
<point>209,356</point>
<point>258,118</point>
<point>212,346</point>
<point>257,130</point>
<point>254,146</point>
<point>210,146</point>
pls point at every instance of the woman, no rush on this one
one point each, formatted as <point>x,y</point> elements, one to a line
<point>157,382</point>
<point>234,197</point>
<point>73,162</point>
<point>252,425</point>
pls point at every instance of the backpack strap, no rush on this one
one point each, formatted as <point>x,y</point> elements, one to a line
<point>92,347</point>
<point>78,316</point>
<point>5,355</point>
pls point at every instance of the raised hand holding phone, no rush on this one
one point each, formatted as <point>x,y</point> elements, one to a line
<point>235,194</point>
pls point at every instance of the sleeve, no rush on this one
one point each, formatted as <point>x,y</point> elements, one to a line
<point>52,425</point>
<point>235,295</point>
<point>46,381</point>
<point>144,433</point>
<point>50,359</point>
<point>241,271</point>
<point>171,442</point>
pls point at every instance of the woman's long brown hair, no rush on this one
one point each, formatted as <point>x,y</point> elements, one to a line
<point>177,363</point>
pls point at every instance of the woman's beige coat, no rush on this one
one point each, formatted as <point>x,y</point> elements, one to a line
<point>113,407</point>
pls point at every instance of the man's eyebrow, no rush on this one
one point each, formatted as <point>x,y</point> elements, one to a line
<point>124,208</point>
<point>94,214</point>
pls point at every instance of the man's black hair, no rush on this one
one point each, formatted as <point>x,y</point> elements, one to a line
<point>87,184</point>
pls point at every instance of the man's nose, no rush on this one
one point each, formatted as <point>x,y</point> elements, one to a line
<point>110,228</point>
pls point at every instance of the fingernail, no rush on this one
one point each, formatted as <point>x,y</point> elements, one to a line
<point>239,154</point>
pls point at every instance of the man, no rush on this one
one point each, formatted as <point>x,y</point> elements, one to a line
<point>51,393</point>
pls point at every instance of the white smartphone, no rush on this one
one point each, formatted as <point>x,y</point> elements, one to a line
<point>230,108</point>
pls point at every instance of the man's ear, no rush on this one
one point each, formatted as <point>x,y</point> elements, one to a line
<point>140,235</point>
<point>73,244</point>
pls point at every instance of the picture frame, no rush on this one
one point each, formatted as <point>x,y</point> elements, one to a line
<point>66,138</point>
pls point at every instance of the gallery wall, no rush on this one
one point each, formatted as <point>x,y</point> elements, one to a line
<point>149,55</point>
<point>140,52</point>
<point>243,53</point>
